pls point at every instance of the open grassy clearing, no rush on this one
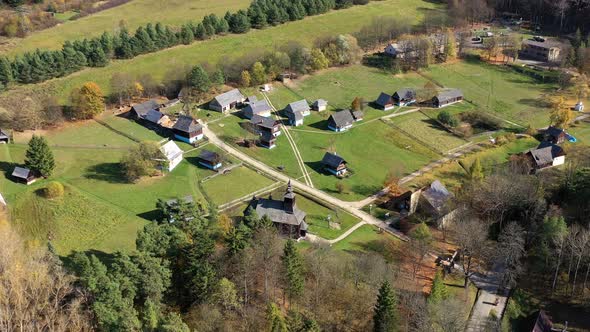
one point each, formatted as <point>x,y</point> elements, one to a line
<point>366,238</point>
<point>134,13</point>
<point>130,127</point>
<point>237,183</point>
<point>228,47</point>
<point>427,130</point>
<point>497,89</point>
<point>317,218</point>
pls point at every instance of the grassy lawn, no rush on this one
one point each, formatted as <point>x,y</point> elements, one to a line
<point>427,130</point>
<point>239,182</point>
<point>366,238</point>
<point>317,218</point>
<point>497,89</point>
<point>65,16</point>
<point>224,48</point>
<point>131,128</point>
<point>133,14</point>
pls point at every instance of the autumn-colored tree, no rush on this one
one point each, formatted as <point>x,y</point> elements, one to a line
<point>356,104</point>
<point>224,223</point>
<point>451,45</point>
<point>136,90</point>
<point>245,79</point>
<point>87,101</point>
<point>561,116</point>
<point>580,87</point>
<point>258,73</point>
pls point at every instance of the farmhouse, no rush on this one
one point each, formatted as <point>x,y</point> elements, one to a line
<point>340,121</point>
<point>227,101</point>
<point>295,119</point>
<point>334,164</point>
<point>554,135</point>
<point>434,200</point>
<point>187,129</point>
<point>385,101</point>
<point>155,117</point>
<point>266,124</point>
<point>546,155</point>
<point>299,106</point>
<point>319,105</point>
<point>267,140</point>
<point>251,99</point>
<point>547,51</point>
<point>447,97</point>
<point>405,96</point>
<point>173,155</point>
<point>285,215</point>
<point>4,137</point>
<point>260,107</point>
<point>209,159</point>
<point>139,111</point>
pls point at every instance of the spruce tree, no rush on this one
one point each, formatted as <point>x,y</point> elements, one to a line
<point>295,274</point>
<point>385,315</point>
<point>186,35</point>
<point>199,79</point>
<point>5,71</point>
<point>276,321</point>
<point>476,170</point>
<point>39,157</point>
<point>200,32</point>
<point>439,290</point>
<point>222,27</point>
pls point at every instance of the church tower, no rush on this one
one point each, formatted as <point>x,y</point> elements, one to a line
<point>289,199</point>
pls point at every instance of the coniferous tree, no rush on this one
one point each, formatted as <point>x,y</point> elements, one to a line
<point>385,315</point>
<point>276,321</point>
<point>239,22</point>
<point>200,32</point>
<point>294,268</point>
<point>258,73</point>
<point>222,27</point>
<point>186,35</point>
<point>125,48</point>
<point>39,157</point>
<point>439,290</point>
<point>199,79</point>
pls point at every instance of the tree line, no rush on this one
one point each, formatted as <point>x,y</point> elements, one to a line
<point>41,65</point>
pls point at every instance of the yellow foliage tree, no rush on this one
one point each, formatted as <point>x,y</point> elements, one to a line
<point>87,101</point>
<point>560,116</point>
<point>136,90</point>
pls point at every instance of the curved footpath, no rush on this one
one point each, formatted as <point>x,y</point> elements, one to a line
<point>346,206</point>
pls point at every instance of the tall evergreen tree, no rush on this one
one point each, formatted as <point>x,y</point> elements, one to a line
<point>199,79</point>
<point>186,35</point>
<point>222,27</point>
<point>385,314</point>
<point>200,32</point>
<point>294,268</point>
<point>276,321</point>
<point>439,290</point>
<point>39,157</point>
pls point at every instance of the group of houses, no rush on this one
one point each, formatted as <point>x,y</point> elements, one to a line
<point>407,96</point>
<point>409,48</point>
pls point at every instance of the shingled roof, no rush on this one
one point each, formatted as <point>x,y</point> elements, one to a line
<point>142,109</point>
<point>257,107</point>
<point>187,124</point>
<point>546,152</point>
<point>170,150</point>
<point>448,94</point>
<point>153,116</point>
<point>405,93</point>
<point>332,160</point>
<point>21,172</point>
<point>275,210</point>
<point>438,196</point>
<point>384,99</point>
<point>227,98</point>
<point>298,106</point>
<point>263,121</point>
<point>210,156</point>
<point>342,118</point>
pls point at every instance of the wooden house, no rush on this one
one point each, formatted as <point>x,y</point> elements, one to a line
<point>211,160</point>
<point>340,121</point>
<point>24,175</point>
<point>4,137</point>
<point>300,106</point>
<point>295,119</point>
<point>258,107</point>
<point>405,96</point>
<point>173,155</point>
<point>335,164</point>
<point>284,214</point>
<point>227,101</point>
<point>268,130</point>
<point>187,129</point>
<point>155,117</point>
<point>554,135</point>
<point>546,155</point>
<point>358,116</point>
<point>447,97</point>
<point>319,105</point>
<point>385,101</point>
<point>139,111</point>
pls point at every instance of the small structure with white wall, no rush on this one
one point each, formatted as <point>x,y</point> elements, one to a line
<point>173,155</point>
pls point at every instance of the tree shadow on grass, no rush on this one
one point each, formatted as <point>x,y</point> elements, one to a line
<point>109,172</point>
<point>152,215</point>
<point>7,168</point>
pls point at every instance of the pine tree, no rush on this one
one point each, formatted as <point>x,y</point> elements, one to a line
<point>276,321</point>
<point>239,22</point>
<point>476,170</point>
<point>124,49</point>
<point>439,290</point>
<point>106,41</point>
<point>385,314</point>
<point>199,79</point>
<point>200,32</point>
<point>186,35</point>
<point>295,274</point>
<point>39,157</point>
<point>5,71</point>
<point>222,27</point>
<point>218,78</point>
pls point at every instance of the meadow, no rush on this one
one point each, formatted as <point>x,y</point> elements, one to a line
<point>132,14</point>
<point>222,49</point>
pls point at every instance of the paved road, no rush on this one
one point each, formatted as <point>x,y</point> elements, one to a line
<point>346,206</point>
<point>489,293</point>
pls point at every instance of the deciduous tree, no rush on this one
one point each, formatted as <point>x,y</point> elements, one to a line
<point>87,101</point>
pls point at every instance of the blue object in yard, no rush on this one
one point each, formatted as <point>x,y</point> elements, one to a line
<point>571,138</point>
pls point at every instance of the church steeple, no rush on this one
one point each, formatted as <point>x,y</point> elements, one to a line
<point>289,199</point>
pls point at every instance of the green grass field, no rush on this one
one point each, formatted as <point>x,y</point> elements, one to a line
<point>239,182</point>
<point>228,47</point>
<point>134,14</point>
<point>498,89</point>
<point>366,238</point>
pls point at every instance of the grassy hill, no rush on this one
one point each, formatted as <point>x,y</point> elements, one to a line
<point>212,51</point>
<point>134,13</point>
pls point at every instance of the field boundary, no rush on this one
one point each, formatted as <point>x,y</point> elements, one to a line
<point>420,141</point>
<point>108,126</point>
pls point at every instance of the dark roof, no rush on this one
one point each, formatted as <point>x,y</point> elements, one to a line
<point>342,118</point>
<point>384,99</point>
<point>153,116</point>
<point>266,136</point>
<point>405,93</point>
<point>546,152</point>
<point>543,323</point>
<point>275,210</point>
<point>438,196</point>
<point>295,116</point>
<point>298,106</point>
<point>554,131</point>
<point>548,43</point>
<point>227,98</point>
<point>143,108</point>
<point>448,94</point>
<point>209,156</point>
<point>257,107</point>
<point>3,134</point>
<point>264,121</point>
<point>187,124</point>
<point>332,160</point>
<point>21,172</point>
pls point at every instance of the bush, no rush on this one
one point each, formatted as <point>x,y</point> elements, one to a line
<point>465,130</point>
<point>446,118</point>
<point>54,190</point>
<point>482,120</point>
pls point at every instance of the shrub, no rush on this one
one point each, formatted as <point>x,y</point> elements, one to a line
<point>465,130</point>
<point>482,120</point>
<point>54,190</point>
<point>446,118</point>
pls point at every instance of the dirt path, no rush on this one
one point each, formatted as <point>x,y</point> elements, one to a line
<point>306,176</point>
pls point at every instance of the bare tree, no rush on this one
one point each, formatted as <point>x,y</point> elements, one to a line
<point>471,237</point>
<point>510,251</point>
<point>448,315</point>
